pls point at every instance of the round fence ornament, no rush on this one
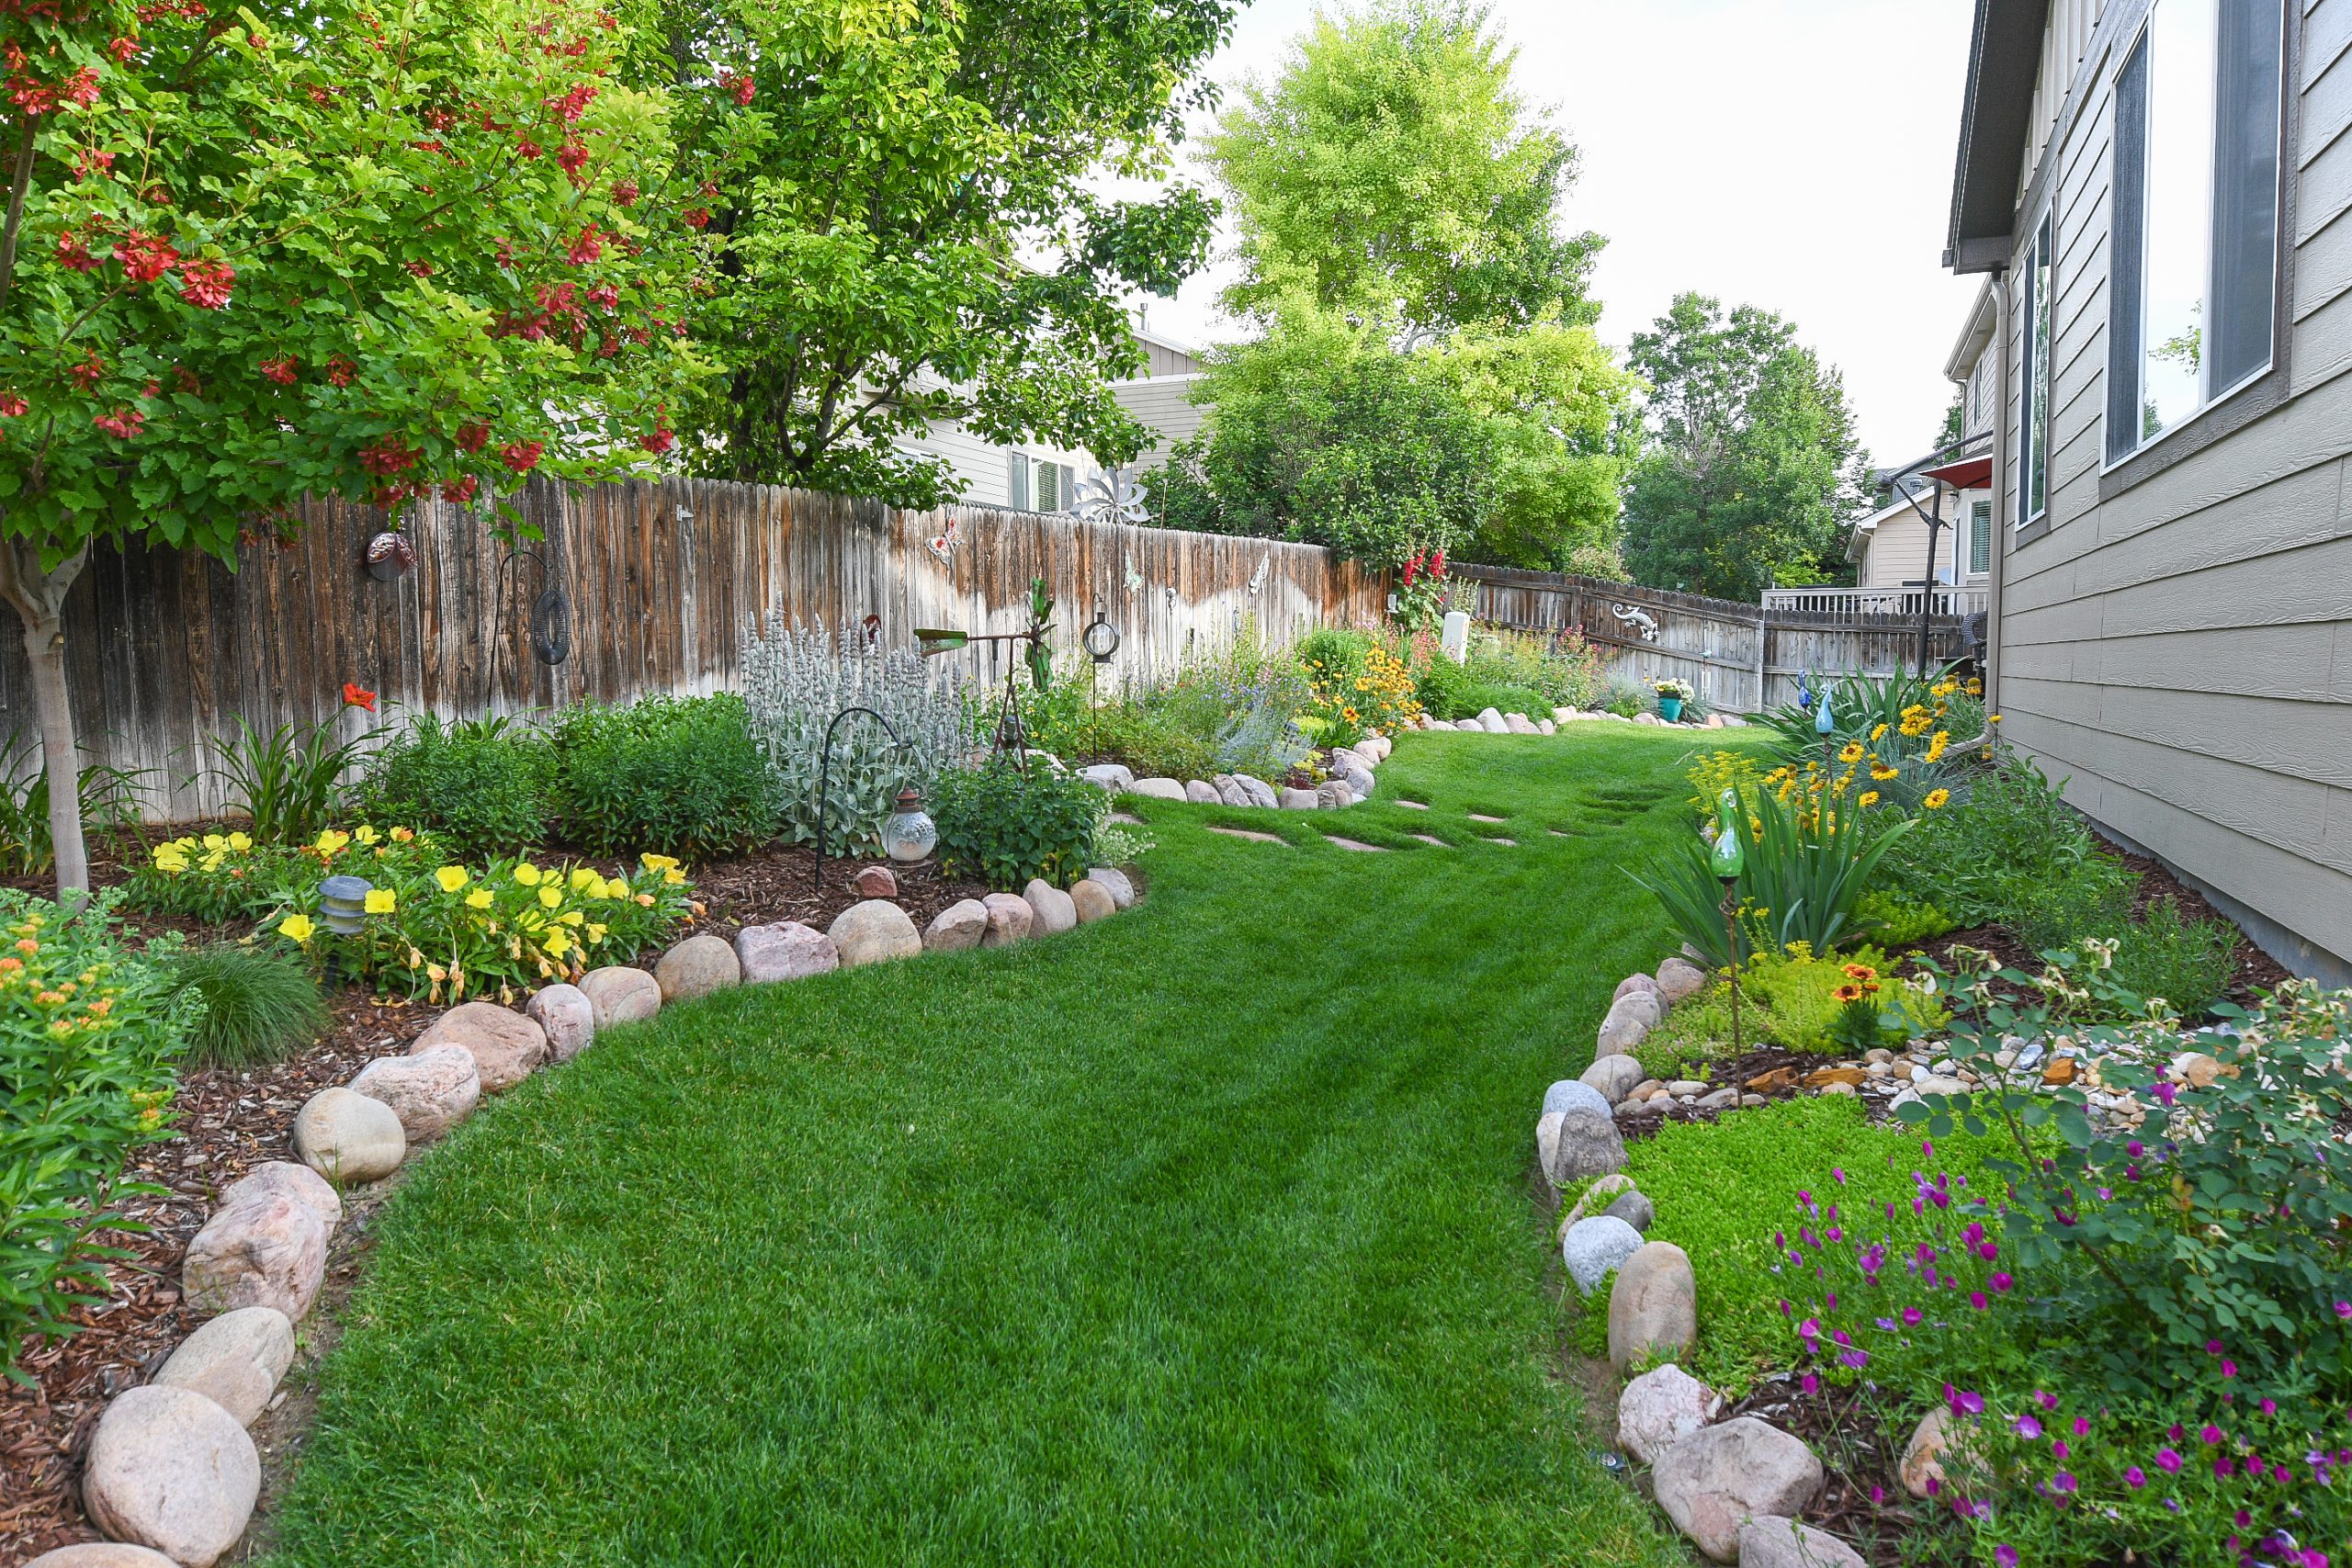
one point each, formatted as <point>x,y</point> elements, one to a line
<point>389,556</point>
<point>551,628</point>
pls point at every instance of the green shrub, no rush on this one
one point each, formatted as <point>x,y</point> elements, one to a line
<point>253,1005</point>
<point>1562,670</point>
<point>1003,827</point>
<point>88,1042</point>
<point>483,788</point>
<point>677,775</point>
<point>1898,919</point>
<point>2005,838</point>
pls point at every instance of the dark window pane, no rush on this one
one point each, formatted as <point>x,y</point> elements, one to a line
<point>2126,255</point>
<point>2245,192</point>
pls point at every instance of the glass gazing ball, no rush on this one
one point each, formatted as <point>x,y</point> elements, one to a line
<point>909,835</point>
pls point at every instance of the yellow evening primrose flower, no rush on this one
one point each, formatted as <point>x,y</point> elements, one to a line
<point>572,918</point>
<point>451,877</point>
<point>380,900</point>
<point>171,858</point>
<point>215,841</point>
<point>526,874</point>
<point>212,862</point>
<point>402,835</point>
<point>595,932</point>
<point>552,897</point>
<point>296,927</point>
<point>331,841</point>
<point>240,843</point>
<point>585,877</point>
<point>674,876</point>
<point>479,899</point>
<point>1936,798</point>
<point>658,862</point>
<point>364,834</point>
<point>558,942</point>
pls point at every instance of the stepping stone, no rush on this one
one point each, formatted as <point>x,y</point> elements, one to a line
<point>1477,818</point>
<point>1507,843</point>
<point>1427,839</point>
<point>1355,844</point>
<point>1412,805</point>
<point>1559,833</point>
<point>1255,838</point>
<point>1125,820</point>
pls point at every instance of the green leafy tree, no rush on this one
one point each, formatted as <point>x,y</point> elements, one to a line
<point>1752,466</point>
<point>1391,170</point>
<point>899,192</point>
<point>355,249</point>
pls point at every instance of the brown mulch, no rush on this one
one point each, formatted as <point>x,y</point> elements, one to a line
<point>1862,1500</point>
<point>229,1121</point>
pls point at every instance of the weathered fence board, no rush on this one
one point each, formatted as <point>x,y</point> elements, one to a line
<point>169,648</point>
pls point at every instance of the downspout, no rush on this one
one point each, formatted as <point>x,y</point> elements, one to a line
<point>2001,494</point>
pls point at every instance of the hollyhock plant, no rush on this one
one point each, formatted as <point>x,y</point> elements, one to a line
<point>247,265</point>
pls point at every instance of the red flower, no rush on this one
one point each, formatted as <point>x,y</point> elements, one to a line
<point>206,285</point>
<point>626,192</point>
<point>573,104</point>
<point>472,436</point>
<point>280,369</point>
<point>604,296</point>
<point>698,218</point>
<point>124,422</point>
<point>11,405</point>
<point>528,148</point>
<point>660,441</point>
<point>73,254</point>
<point>1437,564</point>
<point>357,697</point>
<point>341,370</point>
<point>589,247</point>
<point>145,257</point>
<point>461,490</point>
<point>419,268</point>
<point>572,155</point>
<point>90,161</point>
<point>88,372</point>
<point>388,457</point>
<point>81,87</point>
<point>742,87</point>
<point>521,456</point>
<point>122,49</point>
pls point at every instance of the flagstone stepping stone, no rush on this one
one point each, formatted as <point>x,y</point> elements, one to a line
<point>1356,844</point>
<point>1412,805</point>
<point>1125,820</point>
<point>1254,838</point>
<point>1507,843</point>
<point>1429,839</point>
<point>1478,817</point>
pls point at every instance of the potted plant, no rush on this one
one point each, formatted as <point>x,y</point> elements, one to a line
<point>1671,695</point>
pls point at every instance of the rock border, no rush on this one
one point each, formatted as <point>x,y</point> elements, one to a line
<point>1351,783</point>
<point>1492,722</point>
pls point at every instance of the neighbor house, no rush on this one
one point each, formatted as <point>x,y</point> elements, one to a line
<point>1037,476</point>
<point>2159,195</point>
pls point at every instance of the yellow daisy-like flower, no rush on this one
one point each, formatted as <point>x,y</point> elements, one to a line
<point>585,877</point>
<point>1868,797</point>
<point>1851,752</point>
<point>296,928</point>
<point>526,874</point>
<point>1883,775</point>
<point>215,841</point>
<point>551,895</point>
<point>240,843</point>
<point>381,900</point>
<point>479,899</point>
<point>330,843</point>
<point>1879,733</point>
<point>1936,798</point>
<point>451,877</point>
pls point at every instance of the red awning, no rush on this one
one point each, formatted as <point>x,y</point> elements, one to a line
<point>1969,473</point>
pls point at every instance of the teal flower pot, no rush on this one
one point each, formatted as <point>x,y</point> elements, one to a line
<point>1671,709</point>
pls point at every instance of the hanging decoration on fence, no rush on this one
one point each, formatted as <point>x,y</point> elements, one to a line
<point>1134,578</point>
<point>1258,578</point>
<point>1115,497</point>
<point>1634,615</point>
<point>943,543</point>
<point>391,556</point>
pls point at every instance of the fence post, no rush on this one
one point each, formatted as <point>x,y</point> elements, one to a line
<point>1763,645</point>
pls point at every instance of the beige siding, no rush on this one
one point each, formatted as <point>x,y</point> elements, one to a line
<point>2181,653</point>
<point>1165,406</point>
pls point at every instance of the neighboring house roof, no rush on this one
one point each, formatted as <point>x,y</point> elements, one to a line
<point>2004,58</point>
<point>1983,321</point>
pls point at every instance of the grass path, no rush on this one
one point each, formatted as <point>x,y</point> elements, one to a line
<point>1203,1235</point>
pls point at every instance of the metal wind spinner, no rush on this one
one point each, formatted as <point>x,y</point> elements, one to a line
<point>1115,497</point>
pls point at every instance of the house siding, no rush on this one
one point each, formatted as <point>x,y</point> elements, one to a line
<point>2181,651</point>
<point>1164,405</point>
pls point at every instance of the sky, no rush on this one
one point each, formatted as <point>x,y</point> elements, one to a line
<point>1795,154</point>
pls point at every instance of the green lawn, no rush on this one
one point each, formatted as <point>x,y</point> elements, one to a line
<point>1204,1235</point>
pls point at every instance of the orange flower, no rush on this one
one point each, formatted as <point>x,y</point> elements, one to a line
<point>357,697</point>
<point>1847,994</point>
<point>1861,972</point>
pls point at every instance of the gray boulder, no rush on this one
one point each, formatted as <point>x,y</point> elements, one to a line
<point>1256,791</point>
<point>1623,1029</point>
<point>1520,724</point>
<point>1201,794</point>
<point>1297,799</point>
<point>431,1091</point>
<point>1009,919</point>
<point>234,1360</point>
<point>874,932</point>
<point>169,1468</point>
<point>697,966</point>
<point>506,1046</point>
<point>1595,1248</point>
<point>1660,1408</point>
<point>349,1137</point>
<point>1613,1075</point>
<point>1115,777</point>
<point>1678,978</point>
<point>1635,1208</point>
<point>1157,789</point>
<point>1632,983</point>
<point>1654,1306</point>
<point>1492,721</point>
<point>1575,1137</point>
<point>1771,1541</point>
<point>959,926</point>
<point>620,995</point>
<point>1119,885</point>
<point>1646,1007</point>
<point>1597,1197</point>
<point>1230,791</point>
<point>1335,794</point>
<point>788,950</point>
<point>565,1016</point>
<point>1051,910</point>
<point>265,1245</point>
<point>1720,1478</point>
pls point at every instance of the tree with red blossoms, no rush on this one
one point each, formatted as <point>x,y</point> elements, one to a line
<point>353,249</point>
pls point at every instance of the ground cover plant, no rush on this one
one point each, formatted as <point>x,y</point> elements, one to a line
<point>1210,1223</point>
<point>1236,710</point>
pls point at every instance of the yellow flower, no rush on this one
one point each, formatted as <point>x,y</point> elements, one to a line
<point>585,877</point>
<point>1880,733</point>
<point>674,876</point>
<point>558,944</point>
<point>595,932</point>
<point>402,835</point>
<point>451,877</point>
<point>1869,797</point>
<point>1851,752</point>
<point>331,841</point>
<point>1883,775</point>
<point>170,859</point>
<point>571,917</point>
<point>240,843</point>
<point>656,862</point>
<point>526,874</point>
<point>479,899</point>
<point>552,897</point>
<point>380,900</point>
<point>215,841</point>
<point>364,834</point>
<point>1936,798</point>
<point>296,927</point>
<point>437,973</point>
<point>1992,718</point>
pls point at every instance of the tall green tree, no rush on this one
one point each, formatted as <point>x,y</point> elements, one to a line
<point>1391,170</point>
<point>899,191</point>
<point>1752,467</point>
<point>363,247</point>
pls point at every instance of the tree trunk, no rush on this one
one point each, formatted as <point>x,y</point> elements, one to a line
<point>39,596</point>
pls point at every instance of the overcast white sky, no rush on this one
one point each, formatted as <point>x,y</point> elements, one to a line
<point>1795,154</point>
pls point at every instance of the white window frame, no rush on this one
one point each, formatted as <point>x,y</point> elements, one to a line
<point>2035,336</point>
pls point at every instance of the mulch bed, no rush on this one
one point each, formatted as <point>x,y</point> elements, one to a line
<point>229,1121</point>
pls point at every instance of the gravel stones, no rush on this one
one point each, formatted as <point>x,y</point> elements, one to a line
<point>169,1468</point>
<point>788,950</point>
<point>506,1046</point>
<point>874,931</point>
<point>349,1137</point>
<point>431,1091</point>
<point>620,995</point>
<point>701,965</point>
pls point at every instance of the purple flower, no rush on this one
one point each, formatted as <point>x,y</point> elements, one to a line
<point>2000,1283</point>
<point>2062,1481</point>
<point>2028,1428</point>
<point>2047,1401</point>
<point>2135,1478</point>
<point>2223,1467</point>
<point>2229,1368</point>
<point>2081,1425</point>
<point>1838,1174</point>
<point>2006,1556</point>
<point>2270,1407</point>
<point>1976,1300</point>
<point>1911,1317</point>
<point>2059,1450</point>
<point>1856,1359</point>
<point>2210,1434</point>
<point>2212,1347</point>
<point>2166,1093</point>
<point>1810,1383</point>
<point>2169,1460</point>
<point>1965,1402</point>
<point>1878,1496</point>
<point>2344,1310</point>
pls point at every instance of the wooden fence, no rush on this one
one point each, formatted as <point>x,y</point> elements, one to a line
<point>168,650</point>
<point>1741,658</point>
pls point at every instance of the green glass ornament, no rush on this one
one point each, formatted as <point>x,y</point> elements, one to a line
<point>1729,858</point>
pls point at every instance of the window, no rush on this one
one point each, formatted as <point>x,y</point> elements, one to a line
<point>1017,495</point>
<point>1980,538</point>
<point>2195,238</point>
<point>2033,372</point>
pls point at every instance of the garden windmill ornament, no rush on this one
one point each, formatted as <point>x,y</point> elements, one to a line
<point>1115,497</point>
<point>1010,738</point>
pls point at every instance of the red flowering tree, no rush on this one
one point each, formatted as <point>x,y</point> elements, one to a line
<point>353,249</point>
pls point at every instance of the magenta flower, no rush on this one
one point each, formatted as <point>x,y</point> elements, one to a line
<point>1965,1402</point>
<point>2212,1347</point>
<point>2270,1407</point>
<point>2344,1310</point>
<point>2028,1428</point>
<point>2081,1425</point>
<point>2000,1283</point>
<point>2062,1481</point>
<point>2006,1556</point>
<point>2229,1368</point>
<point>2059,1449</point>
<point>1838,1174</point>
<point>2135,1478</point>
<point>1911,1317</point>
<point>1810,1383</point>
<point>2223,1467</point>
<point>2168,1461</point>
<point>2050,1400</point>
<point>1976,1300</point>
<point>2210,1434</point>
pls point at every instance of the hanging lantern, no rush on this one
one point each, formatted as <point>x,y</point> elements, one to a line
<point>1101,638</point>
<point>1729,858</point>
<point>343,904</point>
<point>909,835</point>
